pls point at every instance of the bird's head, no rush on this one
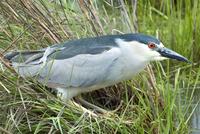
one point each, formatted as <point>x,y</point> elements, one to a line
<point>152,49</point>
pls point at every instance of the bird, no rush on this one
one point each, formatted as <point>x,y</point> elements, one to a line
<point>83,65</point>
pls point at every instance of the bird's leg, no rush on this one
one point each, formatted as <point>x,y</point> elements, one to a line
<point>66,97</point>
<point>85,110</point>
<point>90,105</point>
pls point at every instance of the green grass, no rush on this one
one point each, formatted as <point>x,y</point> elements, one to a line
<point>158,100</point>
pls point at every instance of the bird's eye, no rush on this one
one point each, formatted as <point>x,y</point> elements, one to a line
<point>151,45</point>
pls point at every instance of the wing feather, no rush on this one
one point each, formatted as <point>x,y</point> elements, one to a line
<point>83,70</point>
<point>76,63</point>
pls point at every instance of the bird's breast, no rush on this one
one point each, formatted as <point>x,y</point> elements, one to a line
<point>125,68</point>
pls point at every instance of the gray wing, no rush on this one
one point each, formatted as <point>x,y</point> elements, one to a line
<point>83,70</point>
<point>76,63</point>
<point>93,46</point>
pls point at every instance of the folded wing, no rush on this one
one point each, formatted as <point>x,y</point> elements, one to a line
<point>67,65</point>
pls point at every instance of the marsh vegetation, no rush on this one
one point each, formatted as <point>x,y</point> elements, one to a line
<point>161,99</point>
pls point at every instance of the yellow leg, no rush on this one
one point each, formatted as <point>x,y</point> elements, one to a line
<point>92,106</point>
<point>85,110</point>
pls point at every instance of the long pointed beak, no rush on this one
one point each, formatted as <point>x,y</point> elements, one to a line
<point>165,52</point>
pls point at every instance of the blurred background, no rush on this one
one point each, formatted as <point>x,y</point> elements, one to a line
<point>162,99</point>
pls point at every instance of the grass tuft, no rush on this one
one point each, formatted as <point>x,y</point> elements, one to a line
<point>158,100</point>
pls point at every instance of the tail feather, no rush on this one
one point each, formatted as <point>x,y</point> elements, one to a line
<point>10,55</point>
<point>18,61</point>
<point>29,63</point>
<point>23,56</point>
<point>6,62</point>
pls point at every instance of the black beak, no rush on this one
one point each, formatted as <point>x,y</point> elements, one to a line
<point>165,52</point>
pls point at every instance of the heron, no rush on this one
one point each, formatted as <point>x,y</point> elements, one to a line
<point>87,64</point>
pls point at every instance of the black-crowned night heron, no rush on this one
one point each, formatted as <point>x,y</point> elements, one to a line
<point>83,65</point>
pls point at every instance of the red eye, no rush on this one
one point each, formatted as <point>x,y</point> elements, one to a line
<point>151,45</point>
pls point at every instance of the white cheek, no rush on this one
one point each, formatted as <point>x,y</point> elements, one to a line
<point>139,50</point>
<point>131,48</point>
<point>143,51</point>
